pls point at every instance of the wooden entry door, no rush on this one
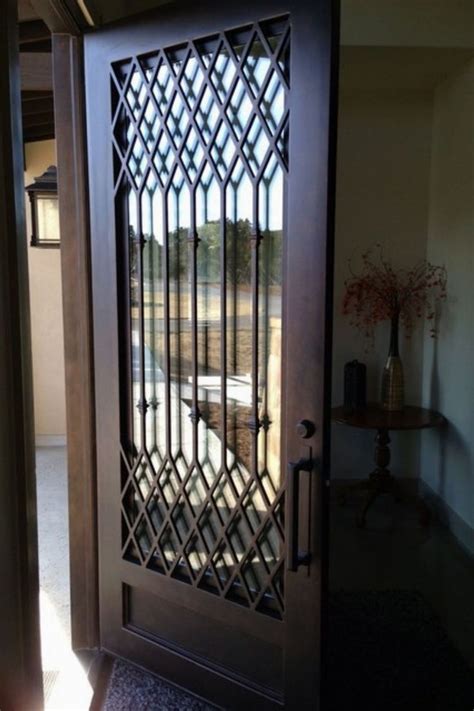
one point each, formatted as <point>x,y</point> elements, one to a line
<point>210,162</point>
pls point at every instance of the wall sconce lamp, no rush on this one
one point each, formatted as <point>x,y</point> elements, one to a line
<point>43,194</point>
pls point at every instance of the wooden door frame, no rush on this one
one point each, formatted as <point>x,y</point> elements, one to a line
<point>21,685</point>
<point>67,23</point>
<point>68,86</point>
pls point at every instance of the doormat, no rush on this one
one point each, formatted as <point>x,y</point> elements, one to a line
<point>388,651</point>
<point>131,689</point>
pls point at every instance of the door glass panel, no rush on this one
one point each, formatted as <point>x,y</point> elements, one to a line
<point>208,296</point>
<point>153,308</point>
<point>200,162</point>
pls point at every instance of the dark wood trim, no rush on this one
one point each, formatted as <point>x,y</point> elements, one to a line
<point>21,685</point>
<point>36,71</point>
<point>75,265</point>
<point>328,346</point>
<point>26,12</point>
<point>310,261</point>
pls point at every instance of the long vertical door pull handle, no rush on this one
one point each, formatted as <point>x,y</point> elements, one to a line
<point>294,556</point>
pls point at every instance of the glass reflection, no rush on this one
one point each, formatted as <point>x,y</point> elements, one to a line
<point>134,256</point>
<point>208,256</point>
<point>153,315</point>
<point>270,316</point>
<point>179,220</point>
<point>239,210</point>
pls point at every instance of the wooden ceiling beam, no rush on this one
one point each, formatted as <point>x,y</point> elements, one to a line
<point>42,119</point>
<point>38,133</point>
<point>36,71</point>
<point>42,46</point>
<point>42,105</point>
<point>26,11</point>
<point>32,32</point>
<point>61,16</point>
<point>31,96</point>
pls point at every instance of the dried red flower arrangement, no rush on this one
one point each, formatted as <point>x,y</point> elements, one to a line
<point>380,292</point>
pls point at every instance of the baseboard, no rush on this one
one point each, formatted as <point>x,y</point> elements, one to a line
<point>50,440</point>
<point>462,531</point>
<point>408,485</point>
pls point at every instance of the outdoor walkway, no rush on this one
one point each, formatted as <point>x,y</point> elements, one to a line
<point>66,685</point>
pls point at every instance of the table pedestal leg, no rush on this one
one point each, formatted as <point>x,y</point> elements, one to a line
<point>380,480</point>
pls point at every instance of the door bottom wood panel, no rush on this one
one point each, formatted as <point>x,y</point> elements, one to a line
<point>215,645</point>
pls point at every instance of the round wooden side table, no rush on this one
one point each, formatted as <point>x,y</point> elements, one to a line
<point>374,417</point>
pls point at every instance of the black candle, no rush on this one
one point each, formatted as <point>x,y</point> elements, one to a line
<point>355,385</point>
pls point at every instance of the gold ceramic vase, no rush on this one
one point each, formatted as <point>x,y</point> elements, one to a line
<point>393,396</point>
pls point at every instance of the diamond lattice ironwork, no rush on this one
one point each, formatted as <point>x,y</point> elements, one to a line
<point>200,146</point>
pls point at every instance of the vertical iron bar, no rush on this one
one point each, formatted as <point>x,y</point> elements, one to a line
<point>206,335</point>
<point>166,314</point>
<point>235,294</point>
<point>154,402</point>
<point>125,331</point>
<point>140,243</point>
<point>205,331</point>
<point>154,276</point>
<point>223,364</point>
<point>254,424</point>
<point>178,316</point>
<point>266,320</point>
<point>193,247</point>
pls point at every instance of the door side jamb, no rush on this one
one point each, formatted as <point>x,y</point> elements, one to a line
<point>69,114</point>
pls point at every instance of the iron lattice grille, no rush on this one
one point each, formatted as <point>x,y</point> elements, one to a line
<point>200,135</point>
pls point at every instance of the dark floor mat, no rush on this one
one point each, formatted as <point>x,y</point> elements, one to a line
<point>388,651</point>
<point>131,689</point>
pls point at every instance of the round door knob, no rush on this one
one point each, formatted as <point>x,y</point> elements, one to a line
<point>305,429</point>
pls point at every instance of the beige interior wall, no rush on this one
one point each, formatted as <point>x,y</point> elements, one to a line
<point>398,59</point>
<point>406,179</point>
<point>382,196</point>
<point>46,315</point>
<point>448,461</point>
